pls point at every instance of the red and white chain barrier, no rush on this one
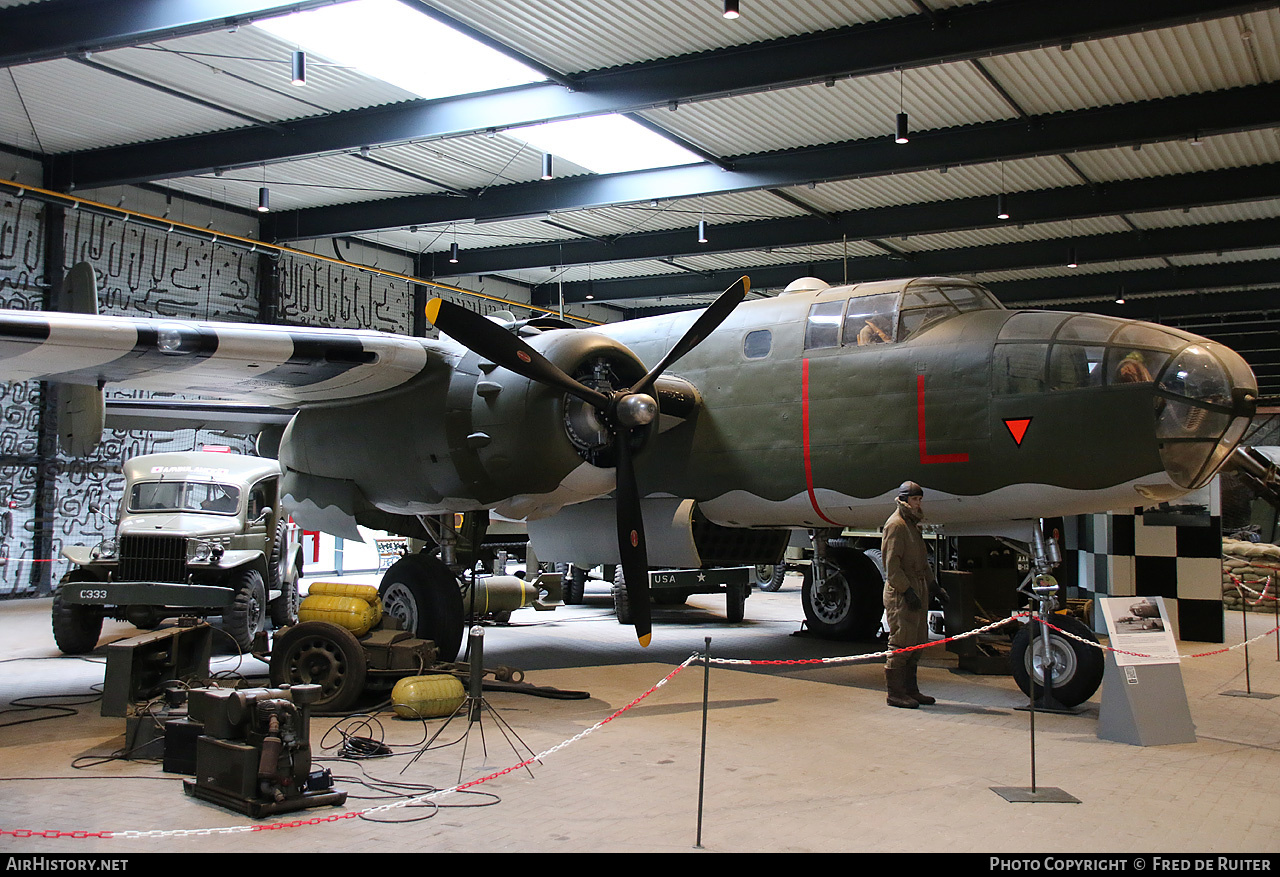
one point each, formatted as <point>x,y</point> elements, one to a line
<point>471,784</point>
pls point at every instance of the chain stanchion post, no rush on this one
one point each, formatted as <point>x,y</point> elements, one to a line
<point>1044,591</point>
<point>1244,629</point>
<point>702,761</point>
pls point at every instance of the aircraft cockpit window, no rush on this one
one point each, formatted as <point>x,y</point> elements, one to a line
<point>1087,328</point>
<point>1072,366</point>
<point>967,298</point>
<point>823,328</point>
<point>1128,366</point>
<point>917,319</point>
<point>1031,326</point>
<point>870,320</point>
<point>757,344</point>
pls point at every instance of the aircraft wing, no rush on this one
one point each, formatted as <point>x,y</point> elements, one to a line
<point>270,365</point>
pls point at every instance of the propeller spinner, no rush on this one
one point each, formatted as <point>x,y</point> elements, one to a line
<point>622,411</point>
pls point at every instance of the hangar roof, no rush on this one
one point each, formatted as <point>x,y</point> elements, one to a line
<point>1143,138</point>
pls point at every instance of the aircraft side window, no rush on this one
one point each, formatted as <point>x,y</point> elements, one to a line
<point>823,328</point>
<point>1030,326</point>
<point>917,319</point>
<point>966,298</point>
<point>1072,366</point>
<point>923,297</point>
<point>870,320</point>
<point>757,344</point>
<point>1087,328</point>
<point>1019,368</point>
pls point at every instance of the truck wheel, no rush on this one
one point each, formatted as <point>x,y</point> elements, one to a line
<point>848,602</point>
<point>76,628</point>
<point>247,613</point>
<point>282,608</point>
<point>769,576</point>
<point>736,605</point>
<point>621,603</point>
<point>1078,667</point>
<point>420,590</point>
<point>324,654</point>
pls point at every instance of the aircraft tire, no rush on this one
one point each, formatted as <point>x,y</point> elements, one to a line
<point>851,603</point>
<point>769,576</point>
<point>247,613</point>
<point>76,628</point>
<point>1082,664</point>
<point>324,654</point>
<point>621,602</point>
<point>420,590</point>
<point>283,609</point>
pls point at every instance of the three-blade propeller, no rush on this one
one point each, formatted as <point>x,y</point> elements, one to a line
<point>622,411</point>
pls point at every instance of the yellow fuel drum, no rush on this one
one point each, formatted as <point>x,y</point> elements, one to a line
<point>366,593</point>
<point>353,613</point>
<point>427,697</point>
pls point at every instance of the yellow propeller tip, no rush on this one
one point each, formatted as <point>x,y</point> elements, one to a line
<point>433,310</point>
<point>644,640</point>
<point>746,284</point>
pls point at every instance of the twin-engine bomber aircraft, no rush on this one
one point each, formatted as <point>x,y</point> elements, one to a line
<point>691,439</point>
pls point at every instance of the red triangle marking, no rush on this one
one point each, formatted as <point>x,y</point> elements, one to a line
<point>1017,428</point>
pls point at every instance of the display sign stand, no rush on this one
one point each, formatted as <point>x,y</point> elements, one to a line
<point>1144,701</point>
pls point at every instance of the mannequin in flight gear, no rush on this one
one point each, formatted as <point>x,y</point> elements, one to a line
<point>908,582</point>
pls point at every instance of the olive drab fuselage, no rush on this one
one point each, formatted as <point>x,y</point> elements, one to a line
<point>782,418</point>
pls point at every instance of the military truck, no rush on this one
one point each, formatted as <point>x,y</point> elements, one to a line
<point>198,534</point>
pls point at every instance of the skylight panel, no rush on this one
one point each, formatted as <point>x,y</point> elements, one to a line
<point>392,42</point>
<point>606,144</point>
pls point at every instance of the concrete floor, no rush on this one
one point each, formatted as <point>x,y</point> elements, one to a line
<point>799,758</point>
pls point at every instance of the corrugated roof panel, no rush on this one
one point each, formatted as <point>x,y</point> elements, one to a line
<point>1192,216</point>
<point>475,162</point>
<point>1181,156</point>
<point>1265,254</point>
<point>574,36</point>
<point>249,70</point>
<point>1010,234</point>
<point>966,181</point>
<point>851,109</point>
<point>1204,56</point>
<point>1110,267</point>
<point>72,107</point>
<point>328,179</point>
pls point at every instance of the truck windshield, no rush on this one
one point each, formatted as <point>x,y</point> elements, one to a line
<point>184,496</point>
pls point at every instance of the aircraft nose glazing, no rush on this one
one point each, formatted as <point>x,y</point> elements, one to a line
<point>1206,396</point>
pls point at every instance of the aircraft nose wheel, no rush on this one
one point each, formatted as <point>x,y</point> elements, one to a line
<point>323,654</point>
<point>1077,666</point>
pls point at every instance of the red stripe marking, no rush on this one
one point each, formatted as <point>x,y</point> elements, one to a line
<point>926,457</point>
<point>808,462</point>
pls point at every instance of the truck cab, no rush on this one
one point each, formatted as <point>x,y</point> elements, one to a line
<point>199,534</point>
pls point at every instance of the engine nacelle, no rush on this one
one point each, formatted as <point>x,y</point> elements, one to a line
<point>502,437</point>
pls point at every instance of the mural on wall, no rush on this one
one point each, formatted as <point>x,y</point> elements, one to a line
<point>322,294</point>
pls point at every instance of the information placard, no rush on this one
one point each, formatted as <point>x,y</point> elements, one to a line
<point>1139,630</point>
